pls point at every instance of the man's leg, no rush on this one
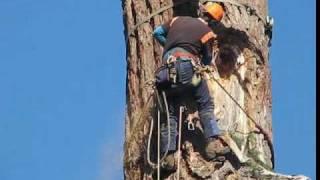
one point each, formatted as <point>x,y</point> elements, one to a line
<point>214,145</point>
<point>205,108</point>
<point>184,74</point>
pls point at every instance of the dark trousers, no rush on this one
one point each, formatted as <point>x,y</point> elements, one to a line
<point>182,89</point>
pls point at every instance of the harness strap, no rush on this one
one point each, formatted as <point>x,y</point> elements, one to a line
<point>184,55</point>
<point>179,54</point>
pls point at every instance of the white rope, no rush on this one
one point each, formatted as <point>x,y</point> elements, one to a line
<point>153,165</point>
<point>148,145</point>
<point>179,141</point>
<point>158,168</point>
<point>168,124</point>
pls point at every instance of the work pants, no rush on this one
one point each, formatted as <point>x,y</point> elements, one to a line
<point>181,90</point>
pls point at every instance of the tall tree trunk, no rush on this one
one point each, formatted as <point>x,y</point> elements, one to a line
<point>243,69</point>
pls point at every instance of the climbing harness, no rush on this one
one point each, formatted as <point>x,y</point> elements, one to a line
<point>166,75</point>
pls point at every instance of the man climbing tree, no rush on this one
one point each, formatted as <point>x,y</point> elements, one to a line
<point>188,42</point>
<point>241,92</point>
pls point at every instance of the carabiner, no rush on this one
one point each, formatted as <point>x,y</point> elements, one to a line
<point>191,126</point>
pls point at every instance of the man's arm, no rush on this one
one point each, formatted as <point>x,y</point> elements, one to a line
<point>160,33</point>
<point>207,53</point>
<point>207,43</point>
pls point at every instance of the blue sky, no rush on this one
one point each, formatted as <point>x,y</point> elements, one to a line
<point>62,95</point>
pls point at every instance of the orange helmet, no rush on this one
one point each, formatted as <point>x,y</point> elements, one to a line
<point>215,10</point>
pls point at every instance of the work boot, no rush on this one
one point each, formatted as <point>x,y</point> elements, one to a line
<point>169,162</point>
<point>215,147</point>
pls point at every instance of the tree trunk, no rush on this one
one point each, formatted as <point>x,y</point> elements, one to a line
<point>242,69</point>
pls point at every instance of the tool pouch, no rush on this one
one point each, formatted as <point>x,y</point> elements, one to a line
<point>162,77</point>
<point>166,75</point>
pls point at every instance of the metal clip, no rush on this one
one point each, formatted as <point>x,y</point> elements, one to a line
<point>171,59</point>
<point>172,70</point>
<point>191,126</point>
<point>173,74</point>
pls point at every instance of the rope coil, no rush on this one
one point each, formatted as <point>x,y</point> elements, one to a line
<point>159,161</point>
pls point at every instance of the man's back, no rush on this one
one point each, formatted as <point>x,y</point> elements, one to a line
<point>186,32</point>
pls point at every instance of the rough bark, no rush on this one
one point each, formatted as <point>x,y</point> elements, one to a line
<point>242,68</point>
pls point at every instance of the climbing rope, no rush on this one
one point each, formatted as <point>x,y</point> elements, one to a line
<point>149,142</point>
<point>261,130</point>
<point>181,109</point>
<point>143,112</point>
<point>159,161</point>
<point>158,144</point>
